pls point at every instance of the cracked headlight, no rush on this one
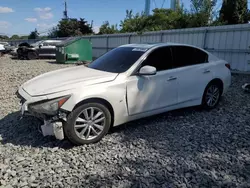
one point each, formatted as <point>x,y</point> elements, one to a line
<point>49,107</point>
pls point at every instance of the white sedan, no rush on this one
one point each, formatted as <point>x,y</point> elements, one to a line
<point>127,83</point>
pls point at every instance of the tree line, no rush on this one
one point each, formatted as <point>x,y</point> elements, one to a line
<point>201,13</point>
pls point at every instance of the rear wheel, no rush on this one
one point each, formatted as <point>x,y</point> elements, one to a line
<point>19,54</point>
<point>212,95</point>
<point>88,123</point>
<point>32,55</point>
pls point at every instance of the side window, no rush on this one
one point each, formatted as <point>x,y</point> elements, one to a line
<point>46,44</point>
<point>160,58</point>
<point>49,43</point>
<point>186,56</point>
<point>53,43</point>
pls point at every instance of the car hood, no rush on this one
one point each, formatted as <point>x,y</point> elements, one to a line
<point>66,79</point>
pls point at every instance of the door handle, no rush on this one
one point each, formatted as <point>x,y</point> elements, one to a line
<point>206,71</point>
<point>172,78</point>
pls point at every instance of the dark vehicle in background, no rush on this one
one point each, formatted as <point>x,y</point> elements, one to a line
<point>45,48</point>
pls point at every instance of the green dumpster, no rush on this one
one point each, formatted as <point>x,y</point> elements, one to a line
<point>74,49</point>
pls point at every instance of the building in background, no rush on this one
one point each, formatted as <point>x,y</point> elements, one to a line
<point>147,7</point>
<point>174,4</point>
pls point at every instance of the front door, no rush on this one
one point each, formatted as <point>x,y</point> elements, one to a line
<point>147,93</point>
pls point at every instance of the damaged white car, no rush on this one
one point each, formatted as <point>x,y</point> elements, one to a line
<point>127,83</point>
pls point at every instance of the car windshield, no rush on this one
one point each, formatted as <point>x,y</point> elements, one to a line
<point>118,60</point>
<point>36,43</point>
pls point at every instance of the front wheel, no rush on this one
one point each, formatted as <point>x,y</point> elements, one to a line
<point>32,55</point>
<point>212,95</point>
<point>88,123</point>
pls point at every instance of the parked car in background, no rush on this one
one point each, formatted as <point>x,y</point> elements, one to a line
<point>13,52</point>
<point>44,48</point>
<point>8,48</point>
<point>4,43</point>
<point>127,83</point>
<point>2,49</point>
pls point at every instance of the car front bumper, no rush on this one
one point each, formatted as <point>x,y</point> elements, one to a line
<point>53,125</point>
<point>26,99</point>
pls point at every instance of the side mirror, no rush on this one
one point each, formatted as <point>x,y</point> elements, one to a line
<point>147,70</point>
<point>40,45</point>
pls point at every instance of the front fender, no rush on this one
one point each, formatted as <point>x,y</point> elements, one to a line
<point>113,92</point>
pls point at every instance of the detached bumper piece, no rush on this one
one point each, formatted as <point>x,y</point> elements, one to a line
<point>246,87</point>
<point>53,129</point>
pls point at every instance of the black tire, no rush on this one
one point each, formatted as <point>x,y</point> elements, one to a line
<point>19,54</point>
<point>205,103</point>
<point>70,131</point>
<point>32,55</point>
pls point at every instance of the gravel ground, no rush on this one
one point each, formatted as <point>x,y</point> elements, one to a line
<point>183,148</point>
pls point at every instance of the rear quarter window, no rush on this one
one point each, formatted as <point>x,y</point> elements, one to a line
<point>199,56</point>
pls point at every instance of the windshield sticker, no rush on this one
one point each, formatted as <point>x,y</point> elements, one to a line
<point>140,49</point>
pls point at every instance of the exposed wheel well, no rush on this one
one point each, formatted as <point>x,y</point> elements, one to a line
<point>31,51</point>
<point>98,100</point>
<point>219,82</point>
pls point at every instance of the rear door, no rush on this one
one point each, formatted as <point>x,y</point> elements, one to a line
<point>47,49</point>
<point>193,72</point>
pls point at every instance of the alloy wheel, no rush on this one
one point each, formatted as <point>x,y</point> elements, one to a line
<point>89,123</point>
<point>212,95</point>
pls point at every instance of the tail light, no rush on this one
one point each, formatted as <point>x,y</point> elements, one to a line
<point>228,66</point>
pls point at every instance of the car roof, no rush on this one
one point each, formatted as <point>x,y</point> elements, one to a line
<point>52,41</point>
<point>159,44</point>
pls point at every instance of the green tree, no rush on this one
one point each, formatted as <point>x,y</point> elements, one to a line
<point>106,28</point>
<point>84,27</point>
<point>4,37</point>
<point>67,27</point>
<point>14,37</point>
<point>44,37</point>
<point>34,34</point>
<point>234,12</point>
<point>202,12</point>
<point>164,19</point>
<point>53,33</point>
<point>248,15</point>
<point>161,19</point>
<point>72,27</point>
<point>133,23</point>
<point>24,37</point>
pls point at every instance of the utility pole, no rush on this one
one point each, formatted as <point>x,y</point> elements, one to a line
<point>91,24</point>
<point>65,12</point>
<point>147,7</point>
